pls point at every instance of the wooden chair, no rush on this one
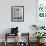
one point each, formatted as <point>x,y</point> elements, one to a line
<point>25,36</point>
<point>8,34</point>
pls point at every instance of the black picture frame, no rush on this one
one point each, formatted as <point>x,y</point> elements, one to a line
<point>17,13</point>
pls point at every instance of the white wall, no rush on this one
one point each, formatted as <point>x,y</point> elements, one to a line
<point>29,15</point>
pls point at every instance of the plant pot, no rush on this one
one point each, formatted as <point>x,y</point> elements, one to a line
<point>40,41</point>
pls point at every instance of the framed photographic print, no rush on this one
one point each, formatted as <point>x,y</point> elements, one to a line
<point>17,13</point>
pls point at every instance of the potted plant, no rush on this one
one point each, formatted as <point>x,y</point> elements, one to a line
<point>38,27</point>
<point>42,27</point>
<point>35,26</point>
<point>39,35</point>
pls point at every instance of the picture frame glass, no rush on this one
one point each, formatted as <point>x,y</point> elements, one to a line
<point>17,13</point>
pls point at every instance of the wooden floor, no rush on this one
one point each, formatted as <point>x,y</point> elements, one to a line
<point>13,44</point>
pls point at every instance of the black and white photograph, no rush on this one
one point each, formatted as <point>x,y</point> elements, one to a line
<point>17,13</point>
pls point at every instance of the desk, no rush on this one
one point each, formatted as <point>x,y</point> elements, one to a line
<point>18,43</point>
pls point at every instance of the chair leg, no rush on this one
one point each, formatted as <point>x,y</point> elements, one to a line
<point>5,43</point>
<point>5,40</point>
